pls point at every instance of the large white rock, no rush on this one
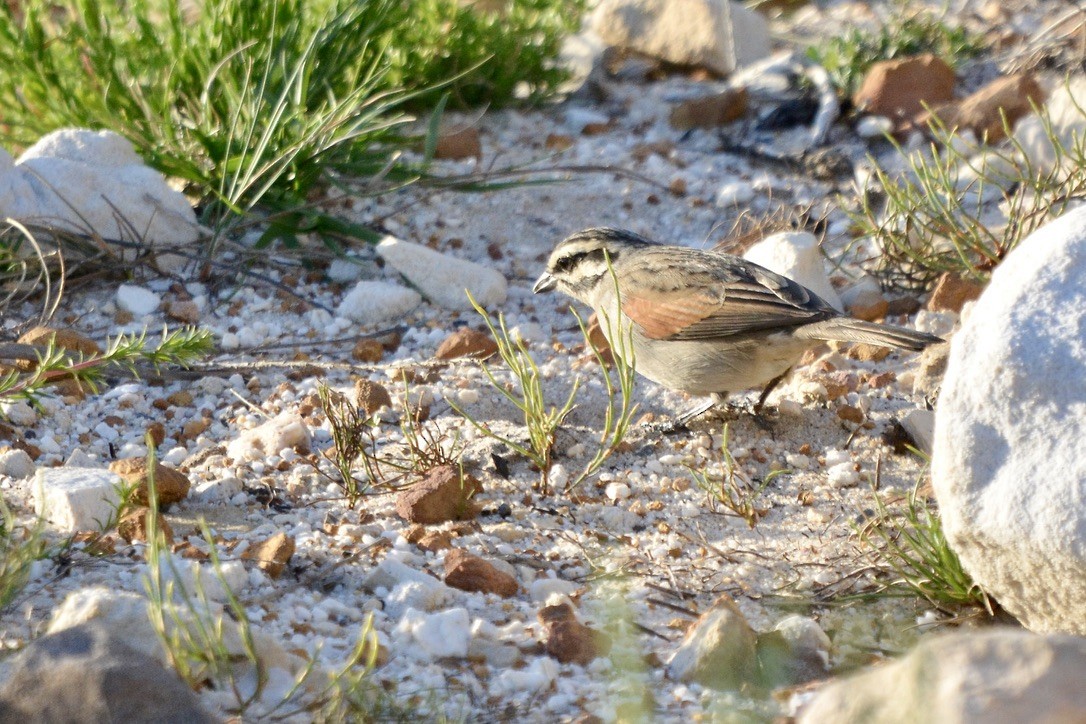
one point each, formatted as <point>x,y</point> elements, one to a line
<point>444,280</point>
<point>1002,676</point>
<point>370,302</point>
<point>795,254</point>
<point>441,634</point>
<point>75,499</point>
<point>78,179</point>
<point>1008,466</point>
<point>715,34</point>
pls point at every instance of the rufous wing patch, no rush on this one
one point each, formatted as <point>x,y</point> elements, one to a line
<point>660,318</point>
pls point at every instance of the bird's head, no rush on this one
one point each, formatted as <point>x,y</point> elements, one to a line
<point>582,260</point>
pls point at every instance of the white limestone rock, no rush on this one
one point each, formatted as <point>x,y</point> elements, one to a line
<point>78,178</point>
<point>1008,468</point>
<point>284,431</point>
<point>139,301</point>
<point>438,635</point>
<point>74,499</point>
<point>444,280</point>
<point>16,464</point>
<point>716,34</point>
<point>1000,676</point>
<point>795,254</point>
<point>370,302</point>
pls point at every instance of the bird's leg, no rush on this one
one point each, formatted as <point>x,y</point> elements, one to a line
<point>769,388</point>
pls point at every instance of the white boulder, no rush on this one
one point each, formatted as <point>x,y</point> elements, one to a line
<point>1007,466</point>
<point>74,499</point>
<point>1001,676</point>
<point>444,280</point>
<point>716,34</point>
<point>438,635</point>
<point>370,302</point>
<point>82,180</point>
<point>795,254</point>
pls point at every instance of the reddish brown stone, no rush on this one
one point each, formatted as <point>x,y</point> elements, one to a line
<point>183,311</point>
<point>952,292</point>
<point>172,486</point>
<point>899,88</point>
<point>271,555</point>
<point>459,144</point>
<point>710,111</point>
<point>371,396</point>
<point>443,494</point>
<point>868,352</point>
<point>368,350</point>
<point>133,525</point>
<point>472,573</point>
<point>467,342</point>
<point>569,640</point>
<point>1012,96</point>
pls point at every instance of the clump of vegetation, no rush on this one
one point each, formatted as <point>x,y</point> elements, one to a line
<point>485,52</point>
<point>907,543</point>
<point>256,105</point>
<point>962,210</point>
<point>20,546</point>
<point>124,352</point>
<point>355,440</point>
<point>542,421</point>
<point>848,57</point>
<point>725,484</point>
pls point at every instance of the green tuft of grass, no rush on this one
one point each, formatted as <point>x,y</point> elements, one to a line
<point>960,208</point>
<point>20,546</point>
<point>907,543</point>
<point>848,57</point>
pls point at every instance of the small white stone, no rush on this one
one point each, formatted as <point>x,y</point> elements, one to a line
<point>19,413</point>
<point>285,430</point>
<point>468,397</point>
<point>75,499</point>
<point>442,634</point>
<point>734,194</point>
<point>343,271</point>
<point>617,491</point>
<point>16,464</point>
<point>578,117</point>
<point>874,127</point>
<point>140,301</point>
<point>220,489</point>
<point>443,279</point>
<point>941,324</point>
<point>543,588</point>
<point>843,475</point>
<point>370,302</point>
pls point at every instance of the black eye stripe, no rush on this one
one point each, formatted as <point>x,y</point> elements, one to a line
<point>565,263</point>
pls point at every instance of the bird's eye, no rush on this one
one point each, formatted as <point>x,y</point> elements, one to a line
<point>566,263</point>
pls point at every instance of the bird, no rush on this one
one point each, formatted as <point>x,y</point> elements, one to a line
<point>700,321</point>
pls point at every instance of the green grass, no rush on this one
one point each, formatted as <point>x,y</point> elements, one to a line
<point>848,57</point>
<point>20,546</point>
<point>260,104</point>
<point>956,210</point>
<point>906,542</point>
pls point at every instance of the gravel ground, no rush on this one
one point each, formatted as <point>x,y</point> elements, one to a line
<point>640,547</point>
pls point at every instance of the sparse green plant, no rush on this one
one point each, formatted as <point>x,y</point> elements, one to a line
<point>957,210</point>
<point>620,409</point>
<point>848,57</point>
<point>481,54</point>
<point>907,542</point>
<point>201,640</point>
<point>730,486</point>
<point>20,546</point>
<point>541,421</point>
<point>125,352</point>
<point>353,437</point>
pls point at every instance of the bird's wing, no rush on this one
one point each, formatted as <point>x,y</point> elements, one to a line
<point>736,297</point>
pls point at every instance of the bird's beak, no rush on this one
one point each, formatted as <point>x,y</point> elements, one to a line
<point>544,283</point>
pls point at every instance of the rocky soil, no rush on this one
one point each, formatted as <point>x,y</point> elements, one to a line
<point>637,593</point>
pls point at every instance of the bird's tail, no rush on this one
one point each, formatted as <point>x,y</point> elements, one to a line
<point>846,329</point>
